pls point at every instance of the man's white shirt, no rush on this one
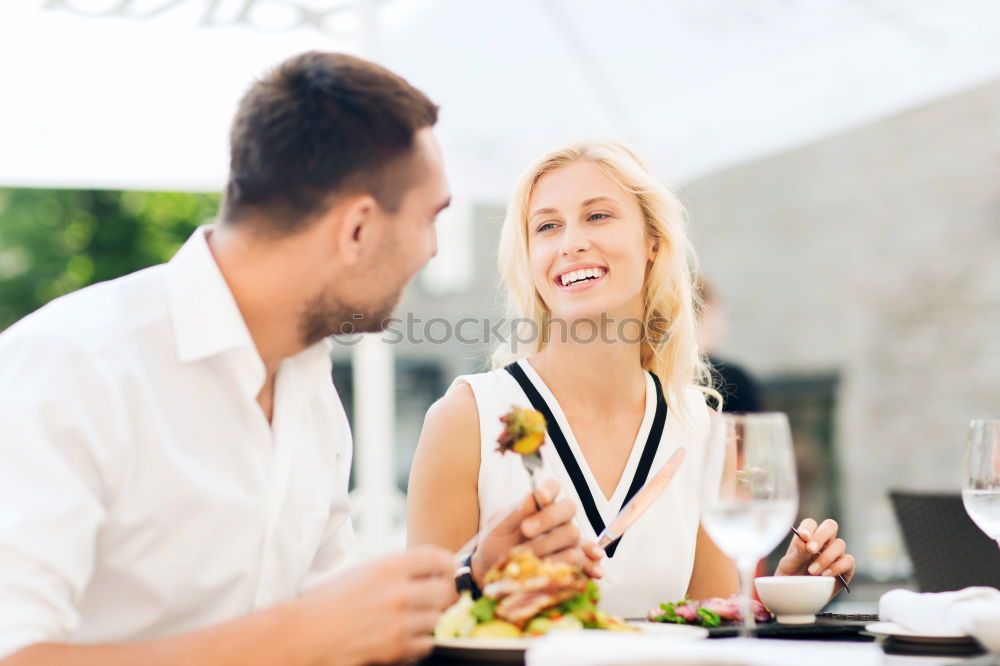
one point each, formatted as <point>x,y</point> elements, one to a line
<point>143,493</point>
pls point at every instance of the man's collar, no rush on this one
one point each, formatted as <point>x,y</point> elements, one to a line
<point>207,321</point>
<point>205,316</point>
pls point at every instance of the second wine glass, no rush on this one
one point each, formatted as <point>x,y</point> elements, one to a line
<point>981,485</point>
<point>750,493</point>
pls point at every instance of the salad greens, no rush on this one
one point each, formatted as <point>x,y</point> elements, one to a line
<point>712,612</point>
<point>478,618</point>
<point>483,609</point>
<point>706,617</point>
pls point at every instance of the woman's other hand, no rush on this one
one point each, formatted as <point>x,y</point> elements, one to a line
<point>819,553</point>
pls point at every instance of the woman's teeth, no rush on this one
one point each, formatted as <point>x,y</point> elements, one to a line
<point>582,274</point>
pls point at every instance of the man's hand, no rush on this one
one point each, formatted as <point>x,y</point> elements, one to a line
<point>380,613</point>
<point>820,554</point>
<point>548,531</point>
<point>383,612</point>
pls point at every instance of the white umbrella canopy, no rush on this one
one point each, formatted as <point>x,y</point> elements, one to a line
<point>136,93</point>
<point>140,93</point>
<point>696,85</point>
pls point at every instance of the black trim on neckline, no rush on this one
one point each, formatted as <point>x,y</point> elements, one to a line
<point>570,462</point>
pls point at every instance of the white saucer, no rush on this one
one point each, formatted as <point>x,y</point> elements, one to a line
<point>893,630</point>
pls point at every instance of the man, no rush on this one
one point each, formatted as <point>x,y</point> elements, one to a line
<point>174,460</point>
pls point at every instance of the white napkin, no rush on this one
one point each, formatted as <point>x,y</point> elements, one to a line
<point>604,648</point>
<point>934,613</point>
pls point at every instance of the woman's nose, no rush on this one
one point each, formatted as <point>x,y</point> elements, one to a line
<point>575,240</point>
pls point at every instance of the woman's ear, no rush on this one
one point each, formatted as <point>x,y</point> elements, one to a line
<point>653,249</point>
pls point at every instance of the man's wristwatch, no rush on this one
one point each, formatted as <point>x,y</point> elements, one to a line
<point>464,580</point>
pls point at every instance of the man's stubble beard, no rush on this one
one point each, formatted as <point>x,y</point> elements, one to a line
<point>332,313</point>
<point>325,315</point>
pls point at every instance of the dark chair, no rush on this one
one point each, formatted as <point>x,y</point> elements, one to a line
<point>948,551</point>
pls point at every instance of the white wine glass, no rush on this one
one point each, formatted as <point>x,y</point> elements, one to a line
<point>981,485</point>
<point>750,493</point>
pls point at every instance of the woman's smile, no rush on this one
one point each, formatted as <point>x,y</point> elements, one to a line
<point>578,278</point>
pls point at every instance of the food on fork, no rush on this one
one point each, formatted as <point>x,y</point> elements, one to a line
<point>527,596</point>
<point>524,431</point>
<point>712,612</point>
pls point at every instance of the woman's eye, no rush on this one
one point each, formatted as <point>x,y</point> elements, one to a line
<point>597,216</point>
<point>546,226</point>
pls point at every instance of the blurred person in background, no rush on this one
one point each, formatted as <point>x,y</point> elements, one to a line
<point>595,255</point>
<point>175,460</point>
<point>736,386</point>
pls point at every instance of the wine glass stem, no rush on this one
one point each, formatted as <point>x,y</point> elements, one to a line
<point>747,567</point>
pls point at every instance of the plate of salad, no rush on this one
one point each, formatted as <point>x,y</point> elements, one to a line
<point>714,612</point>
<point>525,597</point>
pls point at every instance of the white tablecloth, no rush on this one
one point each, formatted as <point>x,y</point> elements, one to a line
<point>605,648</point>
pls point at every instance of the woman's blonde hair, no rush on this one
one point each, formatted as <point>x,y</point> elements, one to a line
<point>669,348</point>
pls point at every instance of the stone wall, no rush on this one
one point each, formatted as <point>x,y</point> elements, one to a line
<point>874,254</point>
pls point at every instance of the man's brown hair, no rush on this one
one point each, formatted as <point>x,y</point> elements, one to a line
<point>321,125</point>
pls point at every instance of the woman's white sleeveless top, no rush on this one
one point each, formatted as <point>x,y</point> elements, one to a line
<point>652,563</point>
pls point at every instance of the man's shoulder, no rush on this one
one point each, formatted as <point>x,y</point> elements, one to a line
<point>95,320</point>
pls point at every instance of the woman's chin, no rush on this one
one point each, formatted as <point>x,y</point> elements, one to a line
<point>581,326</point>
<point>596,310</point>
<point>596,322</point>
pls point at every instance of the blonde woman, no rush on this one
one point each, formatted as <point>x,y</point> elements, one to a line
<point>595,257</point>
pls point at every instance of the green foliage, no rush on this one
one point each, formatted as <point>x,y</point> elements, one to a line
<point>55,241</point>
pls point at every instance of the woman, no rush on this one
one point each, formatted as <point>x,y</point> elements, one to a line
<point>595,255</point>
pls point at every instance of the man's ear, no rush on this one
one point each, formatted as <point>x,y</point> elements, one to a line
<point>352,224</point>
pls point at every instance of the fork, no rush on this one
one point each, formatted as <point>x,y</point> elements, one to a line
<point>533,463</point>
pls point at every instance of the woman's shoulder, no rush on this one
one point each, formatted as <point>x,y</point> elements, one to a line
<point>696,409</point>
<point>691,397</point>
<point>459,404</point>
<point>487,389</point>
<point>694,396</point>
<point>456,406</point>
<point>450,426</point>
<point>449,444</point>
<point>478,379</point>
